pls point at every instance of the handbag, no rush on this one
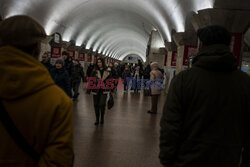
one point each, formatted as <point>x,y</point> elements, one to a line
<point>15,134</point>
<point>110,101</point>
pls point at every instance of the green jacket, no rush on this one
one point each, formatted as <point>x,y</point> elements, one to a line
<point>206,118</point>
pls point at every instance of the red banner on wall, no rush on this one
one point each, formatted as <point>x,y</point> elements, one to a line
<point>189,51</point>
<point>81,57</point>
<point>56,52</point>
<point>72,54</point>
<point>236,45</point>
<point>95,60</point>
<point>174,59</point>
<point>89,58</point>
<point>166,59</point>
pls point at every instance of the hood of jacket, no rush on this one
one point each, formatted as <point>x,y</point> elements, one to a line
<point>216,58</point>
<point>21,74</point>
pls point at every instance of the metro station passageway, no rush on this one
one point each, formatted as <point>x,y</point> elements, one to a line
<point>129,137</point>
<point>184,66</point>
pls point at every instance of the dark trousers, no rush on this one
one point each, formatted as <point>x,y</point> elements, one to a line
<point>154,102</point>
<point>136,84</point>
<point>75,86</point>
<point>100,105</point>
<point>125,86</point>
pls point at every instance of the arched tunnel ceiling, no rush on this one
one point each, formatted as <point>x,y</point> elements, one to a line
<point>114,27</point>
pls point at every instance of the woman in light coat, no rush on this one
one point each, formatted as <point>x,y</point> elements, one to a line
<point>156,79</point>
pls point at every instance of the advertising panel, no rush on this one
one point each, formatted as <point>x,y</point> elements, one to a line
<point>89,58</point>
<point>236,45</point>
<point>174,59</point>
<point>55,52</point>
<point>81,57</point>
<point>72,54</point>
<point>165,61</point>
<point>189,51</point>
<point>95,60</point>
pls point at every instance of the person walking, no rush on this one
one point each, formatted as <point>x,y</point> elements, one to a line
<point>206,118</point>
<point>61,77</point>
<point>68,63</point>
<point>126,77</point>
<point>77,75</point>
<point>90,69</point>
<point>137,76</point>
<point>36,121</point>
<point>156,78</point>
<point>118,70</point>
<point>99,74</point>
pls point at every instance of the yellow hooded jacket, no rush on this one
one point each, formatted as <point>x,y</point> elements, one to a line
<point>40,110</point>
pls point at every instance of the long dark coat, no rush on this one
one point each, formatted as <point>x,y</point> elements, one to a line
<point>206,118</point>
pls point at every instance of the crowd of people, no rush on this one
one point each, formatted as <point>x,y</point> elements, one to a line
<point>205,121</point>
<point>66,73</point>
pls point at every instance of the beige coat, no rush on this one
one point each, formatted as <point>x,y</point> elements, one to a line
<point>155,74</point>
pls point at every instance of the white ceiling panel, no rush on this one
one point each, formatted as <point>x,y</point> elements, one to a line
<point>118,27</point>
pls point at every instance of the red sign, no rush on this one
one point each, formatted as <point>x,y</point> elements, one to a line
<point>89,58</point>
<point>166,59</point>
<point>81,57</point>
<point>236,45</point>
<point>55,52</point>
<point>189,51</point>
<point>95,59</point>
<point>174,58</point>
<point>72,54</point>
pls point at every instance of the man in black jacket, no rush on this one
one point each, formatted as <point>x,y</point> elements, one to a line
<point>206,118</point>
<point>68,63</point>
<point>46,62</point>
<point>76,76</point>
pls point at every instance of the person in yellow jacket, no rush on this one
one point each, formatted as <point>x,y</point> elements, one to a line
<point>40,110</point>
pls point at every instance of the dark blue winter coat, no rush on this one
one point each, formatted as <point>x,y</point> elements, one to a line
<point>61,78</point>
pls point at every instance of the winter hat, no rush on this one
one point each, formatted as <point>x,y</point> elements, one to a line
<point>214,34</point>
<point>154,65</point>
<point>21,31</point>
<point>60,61</point>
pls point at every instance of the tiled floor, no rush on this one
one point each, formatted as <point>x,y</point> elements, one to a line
<point>129,137</point>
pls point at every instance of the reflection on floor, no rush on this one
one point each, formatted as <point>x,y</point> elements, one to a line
<point>128,138</point>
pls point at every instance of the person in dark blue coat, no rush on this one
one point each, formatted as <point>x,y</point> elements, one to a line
<point>61,77</point>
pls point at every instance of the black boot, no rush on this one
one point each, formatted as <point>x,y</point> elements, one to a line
<point>97,115</point>
<point>102,114</point>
